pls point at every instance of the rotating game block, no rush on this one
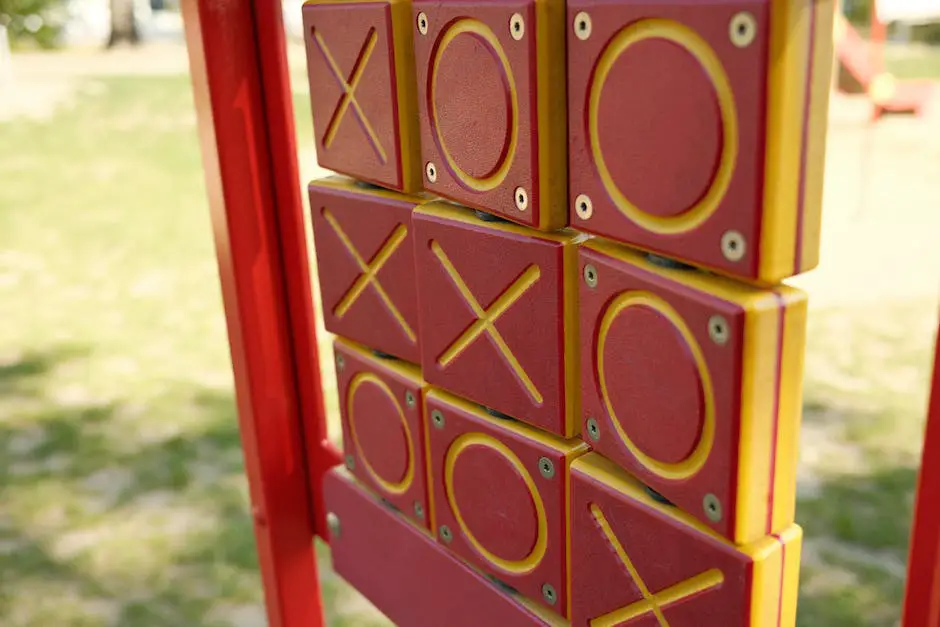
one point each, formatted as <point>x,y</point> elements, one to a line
<point>360,63</point>
<point>638,562</point>
<point>697,129</point>
<point>383,433</point>
<point>491,96</point>
<point>692,383</point>
<point>499,314</point>
<point>499,496</point>
<point>365,263</point>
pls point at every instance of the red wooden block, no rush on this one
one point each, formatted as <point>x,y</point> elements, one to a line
<point>362,91</point>
<point>408,576</point>
<point>638,562</point>
<point>383,433</point>
<point>492,105</point>
<point>495,298</point>
<point>366,268</point>
<point>697,129</point>
<point>499,495</point>
<point>692,383</point>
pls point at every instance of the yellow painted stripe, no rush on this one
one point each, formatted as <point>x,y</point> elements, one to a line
<point>552,108</point>
<point>766,585</point>
<point>408,371</point>
<point>449,211</point>
<point>346,184</point>
<point>822,68</point>
<point>407,93</point>
<point>792,539</point>
<point>789,59</point>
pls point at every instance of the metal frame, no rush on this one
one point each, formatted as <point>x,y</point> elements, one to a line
<point>237,52</point>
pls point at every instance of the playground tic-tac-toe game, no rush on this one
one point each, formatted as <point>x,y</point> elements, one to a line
<point>569,369</point>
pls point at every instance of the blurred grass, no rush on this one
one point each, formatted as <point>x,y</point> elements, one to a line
<point>121,488</point>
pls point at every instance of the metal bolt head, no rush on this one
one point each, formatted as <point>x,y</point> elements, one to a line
<point>742,29</point>
<point>522,199</point>
<point>517,26</point>
<point>431,171</point>
<point>582,25</point>
<point>583,207</point>
<point>546,467</point>
<point>437,417</point>
<point>733,246</point>
<point>419,510</point>
<point>332,523</point>
<point>445,533</point>
<point>712,507</point>
<point>350,462</point>
<point>423,23</point>
<point>410,399</point>
<point>340,362</point>
<point>718,330</point>
<point>549,594</point>
<point>590,275</point>
<point>594,431</point>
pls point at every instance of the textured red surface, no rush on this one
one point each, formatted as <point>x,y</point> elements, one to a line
<point>372,224</point>
<point>471,110</point>
<point>492,497</point>
<point>491,263</point>
<point>345,41</point>
<point>652,385</point>
<point>380,443</point>
<point>405,574</point>
<point>663,551</point>
<point>660,130</point>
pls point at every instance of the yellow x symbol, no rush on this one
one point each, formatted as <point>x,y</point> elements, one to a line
<point>370,271</point>
<point>486,318</point>
<point>651,602</point>
<point>349,92</point>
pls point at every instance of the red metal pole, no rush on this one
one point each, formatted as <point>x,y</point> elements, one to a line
<point>241,96</point>
<point>922,602</point>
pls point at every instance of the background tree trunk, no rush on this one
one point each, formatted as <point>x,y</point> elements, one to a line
<point>123,24</point>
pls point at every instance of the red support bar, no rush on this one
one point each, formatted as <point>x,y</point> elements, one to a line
<point>922,603</point>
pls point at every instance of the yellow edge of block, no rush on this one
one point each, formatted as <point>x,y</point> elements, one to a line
<point>552,109</point>
<point>406,370</point>
<point>786,96</point>
<point>823,54</point>
<point>776,580</point>
<point>346,184</point>
<point>449,211</point>
<point>572,354</point>
<point>407,92</point>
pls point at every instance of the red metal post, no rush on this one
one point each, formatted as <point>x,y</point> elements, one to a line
<point>242,96</point>
<point>922,603</point>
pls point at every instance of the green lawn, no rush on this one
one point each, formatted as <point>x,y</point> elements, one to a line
<point>122,499</point>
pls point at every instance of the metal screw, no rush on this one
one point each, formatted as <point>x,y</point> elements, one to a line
<point>546,467</point>
<point>712,507</point>
<point>583,207</point>
<point>332,523</point>
<point>446,534</point>
<point>718,330</point>
<point>410,399</point>
<point>423,23</point>
<point>590,275</point>
<point>437,417</point>
<point>516,26</point>
<point>742,29</point>
<point>733,246</point>
<point>582,25</point>
<point>419,510</point>
<point>522,199</point>
<point>549,594</point>
<point>431,170</point>
<point>594,432</point>
<point>350,462</point>
<point>340,362</point>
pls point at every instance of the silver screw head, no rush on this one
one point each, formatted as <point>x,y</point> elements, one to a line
<point>712,507</point>
<point>419,510</point>
<point>522,199</point>
<point>546,467</point>
<point>594,431</point>
<point>742,29</point>
<point>340,362</point>
<point>350,462</point>
<point>590,275</point>
<point>410,399</point>
<point>718,330</point>
<point>445,533</point>
<point>423,23</point>
<point>332,523</point>
<point>733,246</point>
<point>517,26</point>
<point>582,25</point>
<point>431,171</point>
<point>549,594</point>
<point>583,207</point>
<point>437,417</point>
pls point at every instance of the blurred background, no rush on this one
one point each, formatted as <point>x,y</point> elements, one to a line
<point>122,495</point>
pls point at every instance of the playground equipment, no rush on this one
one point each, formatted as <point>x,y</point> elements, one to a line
<point>465,500</point>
